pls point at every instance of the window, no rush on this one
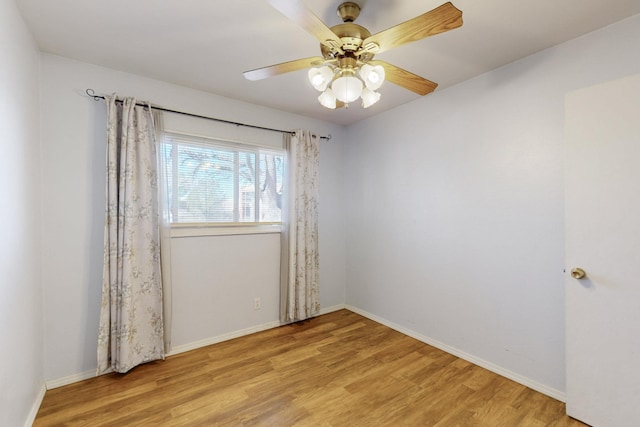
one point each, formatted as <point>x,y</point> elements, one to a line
<point>221,183</point>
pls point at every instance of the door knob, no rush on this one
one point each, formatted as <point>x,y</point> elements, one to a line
<point>578,273</point>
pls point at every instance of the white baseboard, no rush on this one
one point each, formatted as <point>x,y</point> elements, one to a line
<point>549,391</point>
<point>332,309</point>
<point>556,394</point>
<point>236,334</point>
<point>31,417</point>
<point>220,338</point>
<point>70,379</point>
<point>187,347</point>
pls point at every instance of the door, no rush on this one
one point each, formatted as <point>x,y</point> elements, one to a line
<point>602,191</point>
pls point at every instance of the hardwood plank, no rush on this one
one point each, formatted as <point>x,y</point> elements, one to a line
<point>339,369</point>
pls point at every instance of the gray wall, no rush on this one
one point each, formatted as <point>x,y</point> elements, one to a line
<point>21,339</point>
<point>215,278</point>
<point>456,211</point>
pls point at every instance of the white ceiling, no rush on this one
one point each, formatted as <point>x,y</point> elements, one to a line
<point>207,44</point>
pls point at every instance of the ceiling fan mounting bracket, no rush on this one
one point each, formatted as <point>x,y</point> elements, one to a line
<point>348,11</point>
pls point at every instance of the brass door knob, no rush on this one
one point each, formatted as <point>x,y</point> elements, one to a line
<point>578,273</point>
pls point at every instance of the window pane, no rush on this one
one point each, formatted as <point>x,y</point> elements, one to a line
<point>271,174</point>
<point>221,183</point>
<point>205,184</point>
<point>166,151</point>
<point>247,187</point>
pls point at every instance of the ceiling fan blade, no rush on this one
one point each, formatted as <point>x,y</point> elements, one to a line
<point>304,17</point>
<point>406,79</point>
<point>443,18</point>
<point>285,67</point>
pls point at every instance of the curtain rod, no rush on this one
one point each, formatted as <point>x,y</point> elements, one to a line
<point>90,92</point>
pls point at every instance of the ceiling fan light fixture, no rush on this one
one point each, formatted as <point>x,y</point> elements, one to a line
<point>346,66</point>
<point>373,75</point>
<point>320,77</point>
<point>328,99</point>
<point>369,97</point>
<point>347,88</point>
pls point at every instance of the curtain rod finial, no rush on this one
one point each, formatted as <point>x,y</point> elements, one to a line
<point>90,92</point>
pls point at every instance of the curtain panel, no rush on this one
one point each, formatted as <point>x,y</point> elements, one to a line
<point>300,265</point>
<point>165,232</point>
<point>131,319</point>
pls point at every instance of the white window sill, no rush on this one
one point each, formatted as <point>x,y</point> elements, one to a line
<point>178,231</point>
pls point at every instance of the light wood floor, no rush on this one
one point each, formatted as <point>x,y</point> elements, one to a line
<point>339,369</point>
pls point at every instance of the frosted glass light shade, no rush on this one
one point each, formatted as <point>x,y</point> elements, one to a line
<point>373,76</point>
<point>369,97</point>
<point>320,77</point>
<point>347,88</point>
<point>328,99</point>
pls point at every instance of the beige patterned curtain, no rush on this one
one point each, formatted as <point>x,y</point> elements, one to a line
<point>131,319</point>
<point>299,270</point>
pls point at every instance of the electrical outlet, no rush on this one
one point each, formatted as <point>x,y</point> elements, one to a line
<point>257,303</point>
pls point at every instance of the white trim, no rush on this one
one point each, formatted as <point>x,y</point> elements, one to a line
<point>200,230</point>
<point>549,391</point>
<point>237,334</point>
<point>70,379</point>
<point>224,337</point>
<point>331,309</point>
<point>218,142</point>
<point>31,417</point>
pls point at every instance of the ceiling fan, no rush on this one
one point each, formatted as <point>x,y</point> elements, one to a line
<point>346,70</point>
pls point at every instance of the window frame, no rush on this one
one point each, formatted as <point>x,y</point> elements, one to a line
<point>192,229</point>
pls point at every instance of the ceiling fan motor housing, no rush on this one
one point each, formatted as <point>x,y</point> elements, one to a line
<point>349,33</point>
<point>351,36</point>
